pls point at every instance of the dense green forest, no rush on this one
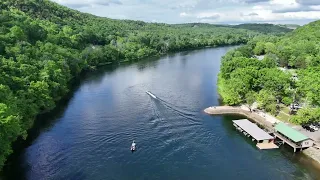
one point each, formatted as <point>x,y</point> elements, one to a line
<point>264,28</point>
<point>288,73</point>
<point>44,45</point>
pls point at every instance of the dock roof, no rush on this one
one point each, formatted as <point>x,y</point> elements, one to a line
<point>291,133</point>
<point>251,128</point>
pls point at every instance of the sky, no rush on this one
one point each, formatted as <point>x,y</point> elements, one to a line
<point>203,11</point>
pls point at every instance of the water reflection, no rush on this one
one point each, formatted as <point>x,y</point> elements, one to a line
<point>149,62</point>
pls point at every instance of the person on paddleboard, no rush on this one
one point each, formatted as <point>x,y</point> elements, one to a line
<point>133,146</point>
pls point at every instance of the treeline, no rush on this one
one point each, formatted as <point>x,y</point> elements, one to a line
<point>44,45</point>
<point>288,73</point>
<point>261,28</point>
<point>264,28</point>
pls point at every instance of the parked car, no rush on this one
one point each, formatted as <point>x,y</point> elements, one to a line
<point>315,124</point>
<point>308,128</point>
<point>304,126</point>
<point>314,127</point>
<point>295,106</point>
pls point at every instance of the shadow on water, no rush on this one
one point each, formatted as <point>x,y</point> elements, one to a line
<point>184,59</point>
<point>186,53</point>
<point>228,125</point>
<point>148,62</point>
<point>44,122</point>
<point>154,60</point>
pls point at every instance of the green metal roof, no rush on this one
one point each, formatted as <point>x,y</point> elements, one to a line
<point>291,133</point>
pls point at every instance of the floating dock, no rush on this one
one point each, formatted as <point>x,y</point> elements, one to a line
<point>267,146</point>
<point>249,129</point>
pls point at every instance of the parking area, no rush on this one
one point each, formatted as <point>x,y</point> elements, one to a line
<point>313,135</point>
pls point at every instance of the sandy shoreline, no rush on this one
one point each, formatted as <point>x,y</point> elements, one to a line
<point>262,119</point>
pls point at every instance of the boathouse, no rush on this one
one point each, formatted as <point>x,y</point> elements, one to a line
<point>264,140</point>
<point>292,137</point>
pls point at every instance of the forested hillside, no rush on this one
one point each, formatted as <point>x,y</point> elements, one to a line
<point>44,45</point>
<point>289,72</point>
<point>264,28</point>
<point>261,28</point>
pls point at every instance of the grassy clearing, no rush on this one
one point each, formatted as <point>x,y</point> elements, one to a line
<point>284,113</point>
<point>283,117</point>
<point>285,110</point>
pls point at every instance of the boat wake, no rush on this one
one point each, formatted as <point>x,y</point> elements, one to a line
<point>171,106</point>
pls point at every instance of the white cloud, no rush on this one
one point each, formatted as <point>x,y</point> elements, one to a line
<point>308,2</point>
<point>183,14</point>
<point>211,11</point>
<point>208,15</point>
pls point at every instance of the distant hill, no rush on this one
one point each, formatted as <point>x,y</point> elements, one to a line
<point>261,28</point>
<point>264,28</point>
<point>290,26</point>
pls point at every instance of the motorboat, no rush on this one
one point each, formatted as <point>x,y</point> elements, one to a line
<point>152,95</point>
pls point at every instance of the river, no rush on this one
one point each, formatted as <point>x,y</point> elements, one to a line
<point>89,135</point>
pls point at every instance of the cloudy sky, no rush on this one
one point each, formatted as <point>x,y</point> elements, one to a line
<point>206,11</point>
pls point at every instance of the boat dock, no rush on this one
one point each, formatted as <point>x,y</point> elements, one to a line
<point>282,135</point>
<point>249,129</point>
<point>292,137</point>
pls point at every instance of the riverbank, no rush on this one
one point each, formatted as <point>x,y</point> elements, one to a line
<point>263,119</point>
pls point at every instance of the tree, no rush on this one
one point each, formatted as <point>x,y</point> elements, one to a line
<point>250,99</point>
<point>270,48</point>
<point>39,93</point>
<point>270,61</point>
<point>17,33</point>
<point>228,67</point>
<point>306,115</point>
<point>265,98</point>
<point>35,32</point>
<point>275,81</point>
<point>272,108</point>
<point>229,91</point>
<point>284,53</point>
<point>287,101</point>
<point>309,85</point>
<point>259,49</point>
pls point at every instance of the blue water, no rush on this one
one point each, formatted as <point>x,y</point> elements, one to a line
<point>89,135</point>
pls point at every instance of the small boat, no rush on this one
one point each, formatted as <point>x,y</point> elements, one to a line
<point>152,95</point>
